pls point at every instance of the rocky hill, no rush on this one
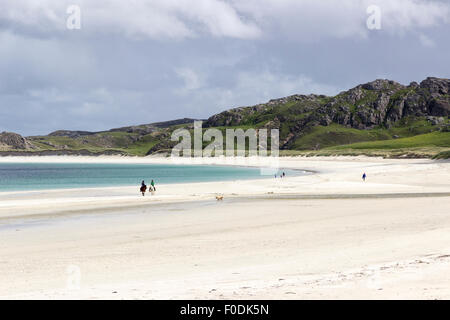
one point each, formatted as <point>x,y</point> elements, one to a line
<point>381,110</point>
<point>377,104</point>
<point>14,141</point>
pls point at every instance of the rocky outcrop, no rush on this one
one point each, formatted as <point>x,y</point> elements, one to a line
<point>248,115</point>
<point>384,102</point>
<point>378,103</point>
<point>11,141</point>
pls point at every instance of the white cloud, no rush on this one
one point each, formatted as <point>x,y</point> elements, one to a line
<point>404,15</point>
<point>242,19</point>
<point>132,18</point>
<point>311,20</point>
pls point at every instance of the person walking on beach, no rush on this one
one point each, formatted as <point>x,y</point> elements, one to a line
<point>153,185</point>
<point>143,188</point>
<point>364,176</point>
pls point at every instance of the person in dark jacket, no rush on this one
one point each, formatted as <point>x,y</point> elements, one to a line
<point>143,188</point>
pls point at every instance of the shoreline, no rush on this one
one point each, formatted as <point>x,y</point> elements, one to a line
<point>219,162</point>
<point>326,235</point>
<point>47,201</point>
<point>178,160</point>
<point>161,161</point>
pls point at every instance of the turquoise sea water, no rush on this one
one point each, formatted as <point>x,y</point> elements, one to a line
<point>39,176</point>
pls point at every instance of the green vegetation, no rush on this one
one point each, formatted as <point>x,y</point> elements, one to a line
<point>435,145</point>
<point>381,118</point>
<point>321,137</point>
<point>143,145</point>
<point>410,135</point>
<point>325,136</point>
<point>434,139</point>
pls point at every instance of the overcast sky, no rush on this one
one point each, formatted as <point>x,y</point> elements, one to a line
<point>141,61</point>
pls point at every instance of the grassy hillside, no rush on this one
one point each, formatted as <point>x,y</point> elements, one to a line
<point>433,139</point>
<point>413,135</point>
<point>381,117</point>
<point>432,145</point>
<point>320,137</point>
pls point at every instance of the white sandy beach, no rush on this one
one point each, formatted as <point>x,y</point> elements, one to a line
<point>322,235</point>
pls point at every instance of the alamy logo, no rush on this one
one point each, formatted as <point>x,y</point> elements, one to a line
<point>374,20</point>
<point>73,21</point>
<point>235,142</point>
<point>250,145</point>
